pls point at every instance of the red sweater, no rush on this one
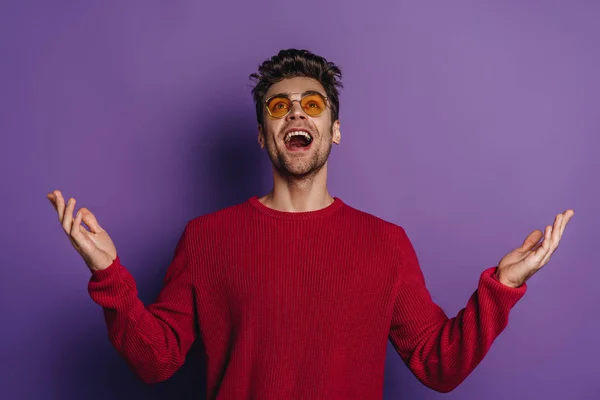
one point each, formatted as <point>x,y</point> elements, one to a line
<point>298,306</point>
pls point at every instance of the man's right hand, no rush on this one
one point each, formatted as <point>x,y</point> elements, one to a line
<point>95,246</point>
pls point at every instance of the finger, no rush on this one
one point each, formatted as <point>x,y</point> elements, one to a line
<point>75,232</point>
<point>90,220</point>
<point>78,232</point>
<point>531,240</point>
<point>556,231</point>
<point>546,244</point>
<point>68,215</point>
<point>60,204</point>
<point>567,216</point>
<point>546,247</point>
<point>545,259</point>
<point>559,226</point>
<point>537,255</point>
<point>537,246</point>
<point>82,227</point>
<point>52,199</point>
<point>554,241</point>
<point>543,246</point>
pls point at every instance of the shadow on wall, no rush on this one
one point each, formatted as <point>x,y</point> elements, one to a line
<point>226,154</point>
<point>237,168</point>
<point>399,379</point>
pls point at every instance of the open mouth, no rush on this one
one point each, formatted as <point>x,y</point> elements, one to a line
<point>296,140</point>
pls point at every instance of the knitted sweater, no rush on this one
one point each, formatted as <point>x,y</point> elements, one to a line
<point>298,306</point>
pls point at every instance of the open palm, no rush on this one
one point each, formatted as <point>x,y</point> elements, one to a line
<point>520,264</point>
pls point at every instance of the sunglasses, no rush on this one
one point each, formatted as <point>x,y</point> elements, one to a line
<point>280,105</point>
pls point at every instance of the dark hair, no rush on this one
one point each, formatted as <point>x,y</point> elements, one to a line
<point>292,63</point>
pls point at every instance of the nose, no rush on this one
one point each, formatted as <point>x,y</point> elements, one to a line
<point>296,112</point>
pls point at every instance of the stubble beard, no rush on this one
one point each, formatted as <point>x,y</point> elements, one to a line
<point>289,166</point>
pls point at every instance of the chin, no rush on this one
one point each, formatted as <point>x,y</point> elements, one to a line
<point>298,166</point>
<point>293,170</point>
<point>300,170</point>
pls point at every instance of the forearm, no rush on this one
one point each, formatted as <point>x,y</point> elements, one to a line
<point>152,341</point>
<point>449,349</point>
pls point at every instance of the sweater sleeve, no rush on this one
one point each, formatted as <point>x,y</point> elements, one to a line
<point>440,351</point>
<point>154,340</point>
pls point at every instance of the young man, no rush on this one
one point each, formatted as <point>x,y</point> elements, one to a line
<point>295,294</point>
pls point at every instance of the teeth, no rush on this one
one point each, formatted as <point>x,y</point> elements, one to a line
<point>297,133</point>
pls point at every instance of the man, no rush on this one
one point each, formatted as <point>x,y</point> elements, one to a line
<point>295,294</point>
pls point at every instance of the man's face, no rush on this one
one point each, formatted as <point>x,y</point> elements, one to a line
<point>293,157</point>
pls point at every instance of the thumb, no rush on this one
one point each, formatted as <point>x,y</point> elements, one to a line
<point>90,220</point>
<point>79,235</point>
<point>531,240</point>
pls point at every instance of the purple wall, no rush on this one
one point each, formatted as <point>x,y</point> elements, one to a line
<point>468,123</point>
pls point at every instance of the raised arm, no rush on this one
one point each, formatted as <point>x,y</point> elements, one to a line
<point>154,340</point>
<point>440,351</point>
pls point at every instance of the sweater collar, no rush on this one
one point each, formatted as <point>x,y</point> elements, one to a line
<point>300,215</point>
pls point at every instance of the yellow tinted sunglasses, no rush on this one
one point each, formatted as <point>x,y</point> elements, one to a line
<point>313,104</point>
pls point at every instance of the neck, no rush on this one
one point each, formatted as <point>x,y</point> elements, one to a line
<point>293,194</point>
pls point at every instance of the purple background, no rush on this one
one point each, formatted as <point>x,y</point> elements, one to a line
<point>469,123</point>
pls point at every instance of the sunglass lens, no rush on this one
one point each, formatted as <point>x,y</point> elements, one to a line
<point>279,106</point>
<point>313,104</point>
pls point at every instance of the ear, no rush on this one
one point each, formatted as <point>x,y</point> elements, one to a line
<point>337,135</point>
<point>261,137</point>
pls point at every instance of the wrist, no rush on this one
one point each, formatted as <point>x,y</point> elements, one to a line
<point>500,278</point>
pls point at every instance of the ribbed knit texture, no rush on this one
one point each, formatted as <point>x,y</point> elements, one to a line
<point>298,306</point>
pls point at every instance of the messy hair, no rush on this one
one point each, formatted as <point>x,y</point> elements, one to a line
<point>293,63</point>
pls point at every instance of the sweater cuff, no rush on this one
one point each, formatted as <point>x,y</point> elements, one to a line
<point>111,286</point>
<point>101,274</point>
<point>505,295</point>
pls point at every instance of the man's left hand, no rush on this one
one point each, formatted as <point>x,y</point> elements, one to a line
<point>520,264</point>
